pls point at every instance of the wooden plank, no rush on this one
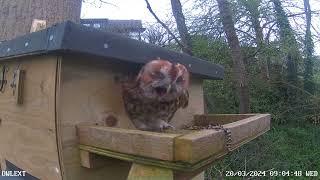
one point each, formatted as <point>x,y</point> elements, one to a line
<point>178,166</point>
<point>143,172</point>
<point>196,150</point>
<point>192,150</point>
<point>86,159</point>
<point>196,175</point>
<point>199,145</point>
<point>91,160</point>
<point>141,160</point>
<point>28,131</point>
<point>205,119</point>
<point>250,127</point>
<point>140,143</point>
<point>86,91</point>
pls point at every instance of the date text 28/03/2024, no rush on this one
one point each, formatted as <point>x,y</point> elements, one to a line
<point>271,173</point>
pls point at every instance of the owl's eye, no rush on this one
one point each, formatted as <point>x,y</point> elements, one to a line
<point>179,80</point>
<point>157,75</point>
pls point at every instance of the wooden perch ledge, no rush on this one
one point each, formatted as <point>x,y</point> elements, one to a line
<point>186,150</point>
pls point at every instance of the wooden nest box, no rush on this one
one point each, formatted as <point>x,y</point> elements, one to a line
<point>58,88</point>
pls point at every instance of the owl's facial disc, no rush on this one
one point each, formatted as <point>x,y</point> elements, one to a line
<point>162,80</point>
<point>161,83</point>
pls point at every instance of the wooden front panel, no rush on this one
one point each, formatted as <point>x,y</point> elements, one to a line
<point>87,93</point>
<point>27,130</point>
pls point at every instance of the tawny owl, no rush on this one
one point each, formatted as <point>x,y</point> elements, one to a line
<point>155,94</point>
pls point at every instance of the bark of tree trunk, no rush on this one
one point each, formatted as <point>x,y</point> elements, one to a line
<point>308,63</point>
<point>239,70</point>
<point>181,25</point>
<point>16,16</point>
<point>252,6</point>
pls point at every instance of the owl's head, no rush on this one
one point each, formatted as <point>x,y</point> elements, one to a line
<point>162,80</point>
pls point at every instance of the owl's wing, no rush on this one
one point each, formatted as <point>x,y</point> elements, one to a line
<point>183,100</point>
<point>139,76</point>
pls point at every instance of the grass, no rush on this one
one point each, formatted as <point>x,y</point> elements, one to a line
<point>283,148</point>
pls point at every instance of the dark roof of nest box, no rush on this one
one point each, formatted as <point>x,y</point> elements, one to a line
<point>70,37</point>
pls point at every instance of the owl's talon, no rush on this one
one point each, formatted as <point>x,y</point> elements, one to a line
<point>172,127</point>
<point>164,126</point>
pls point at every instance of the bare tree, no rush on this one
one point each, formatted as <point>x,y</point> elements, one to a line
<point>252,7</point>
<point>16,16</point>
<point>239,70</point>
<point>185,42</point>
<point>156,34</point>
<point>181,25</point>
<point>100,3</point>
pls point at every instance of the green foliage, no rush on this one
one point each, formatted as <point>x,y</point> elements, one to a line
<point>265,95</point>
<point>293,143</point>
<point>316,78</point>
<point>283,148</point>
<point>220,96</point>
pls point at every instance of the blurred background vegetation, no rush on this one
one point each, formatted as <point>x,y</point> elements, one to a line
<point>281,68</point>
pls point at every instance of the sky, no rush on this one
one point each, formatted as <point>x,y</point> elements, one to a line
<point>125,9</point>
<point>136,9</point>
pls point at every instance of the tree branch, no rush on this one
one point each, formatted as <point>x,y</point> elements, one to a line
<point>105,2</point>
<point>244,32</point>
<point>163,24</point>
<point>95,3</point>
<point>290,15</point>
<point>269,33</point>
